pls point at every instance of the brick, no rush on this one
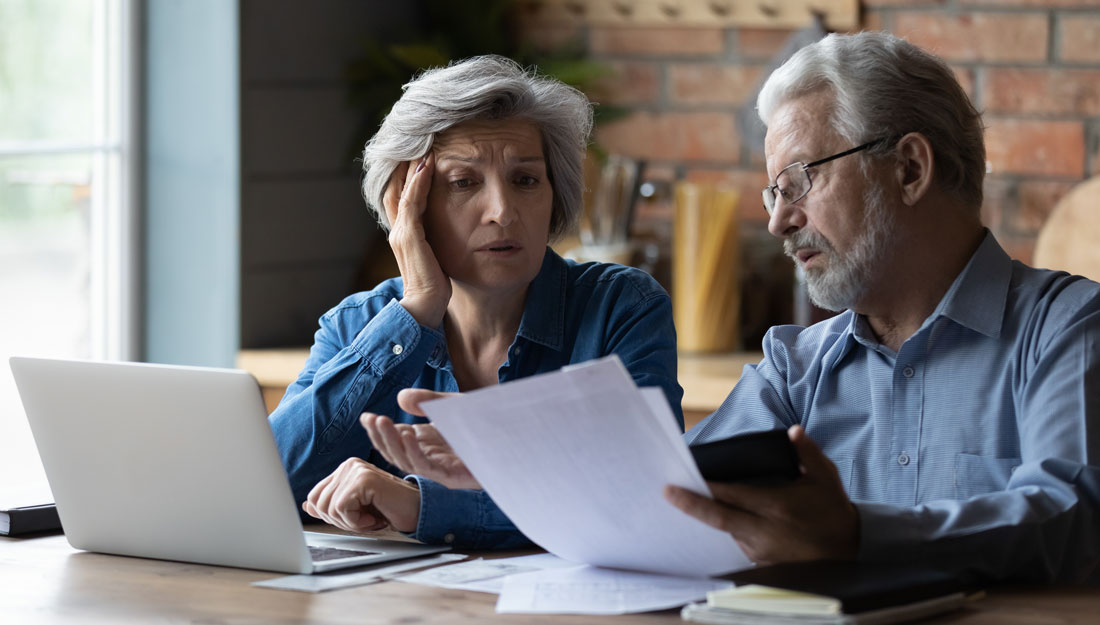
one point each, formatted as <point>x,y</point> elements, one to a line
<point>1092,137</point>
<point>999,196</point>
<point>656,41</point>
<point>761,43</point>
<point>1037,201</point>
<point>630,83</point>
<point>545,37</point>
<point>712,84</point>
<point>965,76</point>
<point>1044,91</point>
<point>674,136</point>
<point>1046,148</point>
<point>977,36</point>
<point>873,20</point>
<point>1080,39</point>
<point>748,183</point>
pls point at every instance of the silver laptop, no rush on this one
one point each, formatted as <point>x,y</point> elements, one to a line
<point>175,463</point>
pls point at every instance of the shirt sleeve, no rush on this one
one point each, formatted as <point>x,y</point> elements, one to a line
<point>316,423</point>
<point>1045,525</point>
<point>466,519</point>
<point>760,400</point>
<point>645,340</point>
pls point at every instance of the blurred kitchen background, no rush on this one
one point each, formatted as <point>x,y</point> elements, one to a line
<point>179,184</point>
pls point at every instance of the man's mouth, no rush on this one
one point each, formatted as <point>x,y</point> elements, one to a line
<point>804,255</point>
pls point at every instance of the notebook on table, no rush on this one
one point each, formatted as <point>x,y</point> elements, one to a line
<point>175,463</point>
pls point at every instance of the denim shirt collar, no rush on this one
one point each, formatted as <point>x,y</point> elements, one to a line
<point>543,319</point>
<point>975,300</point>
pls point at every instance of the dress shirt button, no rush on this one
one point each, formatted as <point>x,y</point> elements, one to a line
<point>903,459</point>
<point>397,349</point>
<point>449,538</point>
<point>908,371</point>
<point>515,352</point>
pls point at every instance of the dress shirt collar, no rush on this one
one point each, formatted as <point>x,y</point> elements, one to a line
<point>544,311</point>
<point>975,300</point>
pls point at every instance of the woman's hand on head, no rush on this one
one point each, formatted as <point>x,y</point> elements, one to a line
<point>418,449</point>
<point>427,288</point>
<point>360,497</point>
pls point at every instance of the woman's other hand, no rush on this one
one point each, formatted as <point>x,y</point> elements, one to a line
<point>360,497</point>
<point>418,449</point>
<point>427,288</point>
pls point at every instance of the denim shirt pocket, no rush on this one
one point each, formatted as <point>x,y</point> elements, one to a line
<point>977,475</point>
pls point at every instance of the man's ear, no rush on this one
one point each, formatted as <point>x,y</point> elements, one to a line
<point>916,167</point>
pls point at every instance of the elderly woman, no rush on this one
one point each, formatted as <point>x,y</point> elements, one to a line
<point>476,168</point>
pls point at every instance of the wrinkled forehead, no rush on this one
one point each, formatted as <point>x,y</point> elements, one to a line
<point>514,137</point>
<point>800,129</point>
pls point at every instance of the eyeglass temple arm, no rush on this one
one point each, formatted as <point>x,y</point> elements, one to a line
<point>844,153</point>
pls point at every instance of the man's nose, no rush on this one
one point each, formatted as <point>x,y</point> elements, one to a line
<point>786,218</point>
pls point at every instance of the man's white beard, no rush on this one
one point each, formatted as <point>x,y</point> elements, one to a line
<point>843,280</point>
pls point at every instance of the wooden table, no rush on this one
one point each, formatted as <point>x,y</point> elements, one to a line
<point>706,378</point>
<point>44,581</point>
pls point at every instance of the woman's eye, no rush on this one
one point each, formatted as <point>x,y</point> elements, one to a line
<point>527,181</point>
<point>462,183</point>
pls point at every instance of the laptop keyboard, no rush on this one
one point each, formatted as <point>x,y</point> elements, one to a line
<point>322,554</point>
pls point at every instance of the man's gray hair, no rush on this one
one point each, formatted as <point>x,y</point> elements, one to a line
<point>885,88</point>
<point>480,88</point>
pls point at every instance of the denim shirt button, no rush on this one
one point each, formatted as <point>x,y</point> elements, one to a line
<point>449,538</point>
<point>397,349</point>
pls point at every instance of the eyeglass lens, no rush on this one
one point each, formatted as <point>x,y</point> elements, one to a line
<point>793,182</point>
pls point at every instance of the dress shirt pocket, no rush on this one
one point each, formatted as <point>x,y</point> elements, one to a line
<point>977,475</point>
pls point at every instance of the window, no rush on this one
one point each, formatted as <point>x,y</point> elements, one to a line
<point>66,230</point>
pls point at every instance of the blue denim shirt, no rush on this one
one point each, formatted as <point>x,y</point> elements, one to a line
<point>368,348</point>
<point>976,447</point>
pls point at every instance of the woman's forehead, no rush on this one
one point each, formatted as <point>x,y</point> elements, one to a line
<point>516,138</point>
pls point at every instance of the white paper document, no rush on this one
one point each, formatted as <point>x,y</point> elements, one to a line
<point>321,582</point>
<point>578,460</point>
<point>593,590</point>
<point>483,575</point>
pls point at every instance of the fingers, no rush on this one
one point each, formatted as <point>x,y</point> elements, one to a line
<point>414,194</point>
<point>409,399</point>
<point>360,497</point>
<point>815,463</point>
<point>393,191</point>
<point>386,436</point>
<point>709,511</point>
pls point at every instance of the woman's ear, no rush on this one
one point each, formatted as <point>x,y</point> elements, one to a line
<point>916,167</point>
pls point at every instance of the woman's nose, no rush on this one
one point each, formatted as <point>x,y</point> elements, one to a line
<point>499,207</point>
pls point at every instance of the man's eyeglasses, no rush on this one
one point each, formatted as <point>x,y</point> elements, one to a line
<point>793,181</point>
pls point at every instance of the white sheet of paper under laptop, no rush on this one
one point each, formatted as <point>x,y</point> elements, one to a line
<point>578,459</point>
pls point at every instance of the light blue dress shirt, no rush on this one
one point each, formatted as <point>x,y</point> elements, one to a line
<point>976,447</point>
<point>369,347</point>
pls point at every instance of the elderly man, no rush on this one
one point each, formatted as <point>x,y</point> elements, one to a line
<point>952,414</point>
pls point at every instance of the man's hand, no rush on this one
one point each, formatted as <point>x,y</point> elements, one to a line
<point>360,497</point>
<point>418,449</point>
<point>809,519</point>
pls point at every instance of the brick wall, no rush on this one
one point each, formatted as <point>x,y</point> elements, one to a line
<point>1032,66</point>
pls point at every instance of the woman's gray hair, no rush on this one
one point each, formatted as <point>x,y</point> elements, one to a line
<point>885,88</point>
<point>478,88</point>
